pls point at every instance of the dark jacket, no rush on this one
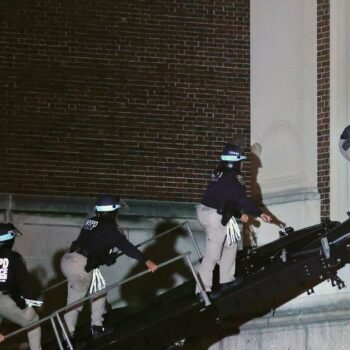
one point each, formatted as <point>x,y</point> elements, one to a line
<point>14,276</point>
<point>226,188</point>
<point>99,236</point>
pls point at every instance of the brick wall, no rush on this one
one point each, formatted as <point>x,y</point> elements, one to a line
<point>130,97</point>
<point>323,101</point>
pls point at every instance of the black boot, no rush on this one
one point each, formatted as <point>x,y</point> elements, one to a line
<point>200,297</point>
<point>66,346</point>
<point>100,331</point>
<point>77,345</point>
<point>223,287</point>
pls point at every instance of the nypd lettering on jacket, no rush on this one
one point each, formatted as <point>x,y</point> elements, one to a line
<point>4,266</point>
<point>90,224</point>
<point>99,235</point>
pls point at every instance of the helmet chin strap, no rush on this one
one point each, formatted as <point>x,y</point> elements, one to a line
<point>233,165</point>
<point>111,214</point>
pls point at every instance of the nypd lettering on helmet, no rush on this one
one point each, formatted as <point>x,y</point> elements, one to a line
<point>232,156</point>
<point>4,264</point>
<point>107,203</point>
<point>232,153</point>
<point>90,224</point>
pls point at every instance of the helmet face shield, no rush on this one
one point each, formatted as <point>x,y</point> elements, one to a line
<point>233,157</point>
<point>107,208</point>
<point>7,235</point>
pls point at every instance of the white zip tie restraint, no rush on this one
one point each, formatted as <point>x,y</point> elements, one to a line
<point>97,283</point>
<point>233,234</point>
<point>33,303</point>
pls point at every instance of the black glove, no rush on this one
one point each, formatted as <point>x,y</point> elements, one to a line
<point>19,300</point>
<point>229,211</point>
<point>111,259</point>
<point>92,263</point>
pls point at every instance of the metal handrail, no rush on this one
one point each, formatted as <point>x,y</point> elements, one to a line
<point>189,231</point>
<point>112,286</point>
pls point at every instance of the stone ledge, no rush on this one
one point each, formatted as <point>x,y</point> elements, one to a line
<point>300,318</point>
<point>20,203</point>
<point>297,195</point>
<point>149,208</point>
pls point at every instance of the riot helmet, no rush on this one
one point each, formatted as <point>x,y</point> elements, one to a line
<point>107,204</point>
<point>231,156</point>
<point>7,235</point>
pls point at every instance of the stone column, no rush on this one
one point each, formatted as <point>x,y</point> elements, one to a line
<point>339,108</point>
<point>284,110</point>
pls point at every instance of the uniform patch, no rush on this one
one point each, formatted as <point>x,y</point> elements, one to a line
<point>90,224</point>
<point>216,176</point>
<point>4,267</point>
<point>240,179</point>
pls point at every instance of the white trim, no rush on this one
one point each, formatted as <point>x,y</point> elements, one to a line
<point>107,208</point>
<point>233,158</point>
<point>9,235</point>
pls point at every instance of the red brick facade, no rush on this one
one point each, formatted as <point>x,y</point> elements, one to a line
<point>323,103</point>
<point>129,97</point>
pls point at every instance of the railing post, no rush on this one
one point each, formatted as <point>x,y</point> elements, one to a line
<point>188,228</point>
<point>65,334</point>
<point>56,333</point>
<point>198,282</point>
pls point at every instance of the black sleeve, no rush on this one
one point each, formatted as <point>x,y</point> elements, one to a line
<point>245,203</point>
<point>22,278</point>
<point>122,243</point>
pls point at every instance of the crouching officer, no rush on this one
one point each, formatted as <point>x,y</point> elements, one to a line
<point>224,199</point>
<point>99,235</point>
<point>15,290</point>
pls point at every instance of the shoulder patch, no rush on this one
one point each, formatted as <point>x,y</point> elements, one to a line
<point>90,224</point>
<point>240,179</point>
<point>216,176</point>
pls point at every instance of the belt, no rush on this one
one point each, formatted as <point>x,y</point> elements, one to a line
<point>80,251</point>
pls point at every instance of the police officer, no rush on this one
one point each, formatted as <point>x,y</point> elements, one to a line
<point>15,290</point>
<point>224,199</point>
<point>99,235</point>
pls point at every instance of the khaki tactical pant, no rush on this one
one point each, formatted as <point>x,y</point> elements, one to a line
<point>217,250</point>
<point>10,311</point>
<point>72,266</point>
